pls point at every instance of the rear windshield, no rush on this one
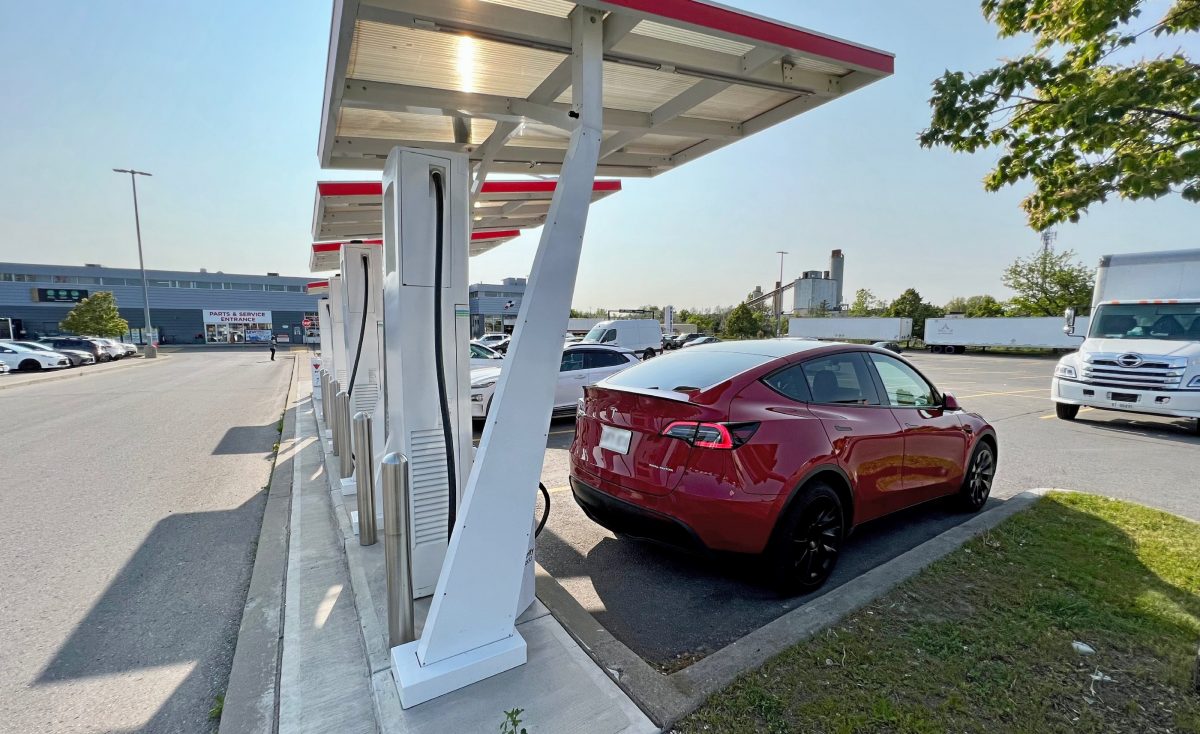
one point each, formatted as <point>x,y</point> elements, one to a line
<point>687,370</point>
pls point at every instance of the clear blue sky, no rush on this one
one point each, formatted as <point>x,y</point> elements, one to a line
<point>221,102</point>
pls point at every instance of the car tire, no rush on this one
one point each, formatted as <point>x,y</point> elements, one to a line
<point>30,365</point>
<point>977,481</point>
<point>648,354</point>
<point>1066,411</point>
<point>807,542</point>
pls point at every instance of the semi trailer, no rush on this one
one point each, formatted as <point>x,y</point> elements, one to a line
<point>870,329</point>
<point>953,335</point>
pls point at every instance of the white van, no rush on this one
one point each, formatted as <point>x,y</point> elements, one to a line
<point>640,336</point>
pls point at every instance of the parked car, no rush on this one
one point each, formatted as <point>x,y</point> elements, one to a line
<point>890,346</point>
<point>24,358</point>
<point>3,366</point>
<point>482,356</point>
<point>491,340</point>
<point>77,357</point>
<point>683,339</point>
<point>774,447</point>
<point>701,340</point>
<point>94,348</point>
<point>502,345</point>
<point>582,365</point>
<point>130,348</point>
<point>114,349</point>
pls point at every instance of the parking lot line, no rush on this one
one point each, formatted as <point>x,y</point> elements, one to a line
<point>1009,392</point>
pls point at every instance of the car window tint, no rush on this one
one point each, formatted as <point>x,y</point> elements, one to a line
<point>790,382</point>
<point>477,351</point>
<point>841,379</point>
<point>686,368</point>
<point>902,385</point>
<point>598,359</point>
<point>571,361</point>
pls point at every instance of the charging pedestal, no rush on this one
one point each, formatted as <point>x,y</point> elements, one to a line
<point>361,307</point>
<point>337,326</point>
<point>325,334</point>
<point>427,333</point>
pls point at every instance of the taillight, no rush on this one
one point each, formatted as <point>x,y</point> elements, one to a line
<point>712,435</point>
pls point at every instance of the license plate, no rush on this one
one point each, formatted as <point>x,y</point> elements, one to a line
<point>1124,405</point>
<point>1122,397</point>
<point>615,439</point>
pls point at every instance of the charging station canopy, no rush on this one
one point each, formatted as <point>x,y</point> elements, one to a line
<point>492,78</point>
<point>317,288</point>
<point>354,209</point>
<point>326,256</point>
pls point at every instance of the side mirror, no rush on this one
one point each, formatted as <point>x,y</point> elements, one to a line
<point>1069,326</point>
<point>949,402</point>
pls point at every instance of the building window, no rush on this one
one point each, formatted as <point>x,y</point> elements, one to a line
<point>239,286</point>
<point>24,278</point>
<point>276,288</point>
<point>155,283</point>
<point>115,281</point>
<point>295,289</point>
<point>65,279</point>
<point>204,285</point>
<point>256,286</point>
<point>183,283</point>
<point>6,277</point>
<point>87,280</point>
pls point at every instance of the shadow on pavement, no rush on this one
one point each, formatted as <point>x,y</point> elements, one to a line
<point>245,440</point>
<point>178,600</point>
<point>672,608</point>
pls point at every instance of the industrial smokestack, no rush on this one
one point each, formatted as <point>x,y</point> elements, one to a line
<point>837,264</point>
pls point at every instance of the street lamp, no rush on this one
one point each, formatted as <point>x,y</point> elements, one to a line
<point>779,292</point>
<point>151,351</point>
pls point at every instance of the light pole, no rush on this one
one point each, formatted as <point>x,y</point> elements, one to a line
<point>778,292</point>
<point>151,351</point>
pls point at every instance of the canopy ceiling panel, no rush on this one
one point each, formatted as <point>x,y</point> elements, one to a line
<point>491,78</point>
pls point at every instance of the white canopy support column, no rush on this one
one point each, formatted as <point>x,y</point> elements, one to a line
<point>470,633</point>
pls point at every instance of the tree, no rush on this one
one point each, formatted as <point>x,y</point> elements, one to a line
<point>96,315</point>
<point>1072,118</point>
<point>866,304</point>
<point>1047,282</point>
<point>910,305</point>
<point>975,306</point>
<point>743,323</point>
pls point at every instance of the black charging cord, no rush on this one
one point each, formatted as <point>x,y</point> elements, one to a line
<point>447,427</point>
<point>362,330</point>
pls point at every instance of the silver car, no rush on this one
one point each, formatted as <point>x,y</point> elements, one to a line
<point>76,356</point>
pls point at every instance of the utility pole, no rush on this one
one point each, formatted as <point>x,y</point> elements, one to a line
<point>778,293</point>
<point>151,351</point>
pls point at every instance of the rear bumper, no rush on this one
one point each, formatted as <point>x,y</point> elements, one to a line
<point>1175,403</point>
<point>694,515</point>
<point>626,518</point>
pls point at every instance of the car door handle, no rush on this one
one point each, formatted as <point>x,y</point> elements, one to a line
<point>912,425</point>
<point>843,428</point>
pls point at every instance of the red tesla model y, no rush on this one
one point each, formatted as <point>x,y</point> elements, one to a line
<point>776,447</point>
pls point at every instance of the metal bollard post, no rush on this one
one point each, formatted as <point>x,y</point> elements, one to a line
<point>346,465</point>
<point>401,622</point>
<point>325,397</point>
<point>364,481</point>
<point>334,432</point>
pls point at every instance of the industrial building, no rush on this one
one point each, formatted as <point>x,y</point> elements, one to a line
<point>494,306</point>
<point>817,291</point>
<point>185,307</point>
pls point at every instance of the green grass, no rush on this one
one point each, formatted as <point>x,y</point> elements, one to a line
<point>981,641</point>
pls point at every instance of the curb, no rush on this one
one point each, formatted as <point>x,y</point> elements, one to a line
<point>251,696</point>
<point>668,698</point>
<point>72,372</point>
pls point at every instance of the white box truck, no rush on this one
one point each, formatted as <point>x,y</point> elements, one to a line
<point>1141,350</point>
<point>867,328</point>
<point>641,336</point>
<point>953,335</point>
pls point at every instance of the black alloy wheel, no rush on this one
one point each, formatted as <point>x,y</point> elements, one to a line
<point>977,485</point>
<point>30,365</point>
<point>808,547</point>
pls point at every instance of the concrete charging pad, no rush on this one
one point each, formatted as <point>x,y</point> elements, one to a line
<point>559,689</point>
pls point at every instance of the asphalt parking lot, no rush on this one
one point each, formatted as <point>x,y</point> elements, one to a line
<point>673,608</point>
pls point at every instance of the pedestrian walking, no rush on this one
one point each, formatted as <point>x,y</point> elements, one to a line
<point>272,347</point>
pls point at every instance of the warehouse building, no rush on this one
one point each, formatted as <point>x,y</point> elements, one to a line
<point>185,307</point>
<point>494,306</point>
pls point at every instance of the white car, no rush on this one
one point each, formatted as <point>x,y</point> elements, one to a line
<point>112,346</point>
<point>77,357</point>
<point>491,340</point>
<point>482,357</point>
<point>582,365</point>
<point>3,367</point>
<point>24,358</point>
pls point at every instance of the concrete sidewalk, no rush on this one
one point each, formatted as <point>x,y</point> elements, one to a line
<point>336,673</point>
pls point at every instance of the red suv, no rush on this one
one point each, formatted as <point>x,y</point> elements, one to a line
<point>777,447</point>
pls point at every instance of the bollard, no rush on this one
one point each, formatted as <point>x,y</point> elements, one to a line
<point>401,623</point>
<point>325,397</point>
<point>364,481</point>
<point>342,405</point>
<point>334,432</point>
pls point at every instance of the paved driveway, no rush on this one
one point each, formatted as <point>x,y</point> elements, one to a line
<point>129,513</point>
